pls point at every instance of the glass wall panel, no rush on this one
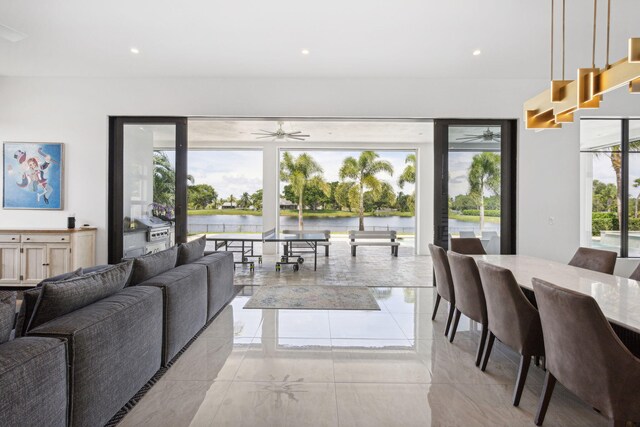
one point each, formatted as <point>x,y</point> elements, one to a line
<point>149,183</point>
<point>475,183</point>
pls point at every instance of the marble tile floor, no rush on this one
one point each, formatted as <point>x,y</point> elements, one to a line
<point>373,266</point>
<point>346,368</point>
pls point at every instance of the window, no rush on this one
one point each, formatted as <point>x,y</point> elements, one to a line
<point>610,165</point>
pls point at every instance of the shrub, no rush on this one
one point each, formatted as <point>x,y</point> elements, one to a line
<point>603,221</point>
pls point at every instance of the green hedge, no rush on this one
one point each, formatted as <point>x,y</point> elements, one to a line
<point>476,212</point>
<point>602,221</point>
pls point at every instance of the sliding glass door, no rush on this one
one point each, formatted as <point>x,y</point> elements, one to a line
<point>147,180</point>
<point>475,162</point>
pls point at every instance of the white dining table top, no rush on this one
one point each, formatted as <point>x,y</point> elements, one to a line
<point>618,297</point>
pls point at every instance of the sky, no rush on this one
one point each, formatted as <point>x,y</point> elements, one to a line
<point>234,172</point>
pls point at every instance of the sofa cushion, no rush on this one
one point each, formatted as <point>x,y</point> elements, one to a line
<point>61,277</point>
<point>191,251</point>
<point>29,300</point>
<point>151,265</point>
<point>219,280</point>
<point>33,382</point>
<point>59,298</point>
<point>7,314</point>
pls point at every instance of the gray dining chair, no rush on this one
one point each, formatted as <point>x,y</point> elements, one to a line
<point>444,283</point>
<point>636,274</point>
<point>584,353</point>
<point>512,319</point>
<point>469,296</point>
<point>595,260</point>
<point>468,234</point>
<point>467,246</point>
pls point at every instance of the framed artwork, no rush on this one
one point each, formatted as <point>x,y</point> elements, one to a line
<point>32,175</point>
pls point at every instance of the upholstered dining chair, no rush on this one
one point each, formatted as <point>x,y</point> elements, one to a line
<point>512,319</point>
<point>595,260</point>
<point>585,355</point>
<point>636,274</point>
<point>444,283</point>
<point>467,246</point>
<point>469,296</point>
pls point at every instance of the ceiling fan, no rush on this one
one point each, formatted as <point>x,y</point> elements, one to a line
<point>281,134</point>
<point>486,136</point>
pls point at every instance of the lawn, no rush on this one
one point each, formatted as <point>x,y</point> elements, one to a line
<point>469,218</point>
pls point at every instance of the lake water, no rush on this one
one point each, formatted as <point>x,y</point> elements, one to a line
<point>251,223</point>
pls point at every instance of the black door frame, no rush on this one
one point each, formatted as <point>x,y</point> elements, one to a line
<point>508,184</point>
<point>116,169</point>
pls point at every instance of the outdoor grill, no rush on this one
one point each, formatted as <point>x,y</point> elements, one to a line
<point>148,235</point>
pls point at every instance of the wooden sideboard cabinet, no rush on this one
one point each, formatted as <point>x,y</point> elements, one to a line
<point>27,256</point>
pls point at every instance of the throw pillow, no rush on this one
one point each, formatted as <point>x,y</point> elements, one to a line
<point>7,314</point>
<point>29,300</point>
<point>191,251</point>
<point>59,298</point>
<point>61,277</point>
<point>148,266</point>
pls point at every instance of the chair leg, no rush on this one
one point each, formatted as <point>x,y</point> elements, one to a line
<point>435,308</point>
<point>326,250</point>
<point>452,308</point>
<point>353,251</point>
<point>456,319</point>
<point>483,339</point>
<point>525,361</point>
<point>487,351</point>
<point>545,397</point>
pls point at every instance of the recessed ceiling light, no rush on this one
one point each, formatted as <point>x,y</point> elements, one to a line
<point>134,50</point>
<point>477,52</point>
<point>305,51</point>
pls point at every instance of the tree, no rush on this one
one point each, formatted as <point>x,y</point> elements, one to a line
<point>300,172</point>
<point>200,196</point>
<point>341,195</point>
<point>385,199</point>
<point>484,175</point>
<point>604,197</point>
<point>405,202</point>
<point>256,200</point>
<point>245,201</point>
<point>409,173</point>
<point>164,179</point>
<point>362,172</point>
<point>231,200</point>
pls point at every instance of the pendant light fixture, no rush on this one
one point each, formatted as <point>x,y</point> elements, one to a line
<point>557,105</point>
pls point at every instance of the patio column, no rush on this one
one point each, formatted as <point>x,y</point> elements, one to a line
<point>271,193</point>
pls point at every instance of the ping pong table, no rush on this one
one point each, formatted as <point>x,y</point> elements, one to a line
<point>244,244</point>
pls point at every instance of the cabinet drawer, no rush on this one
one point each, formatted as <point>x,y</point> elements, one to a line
<point>9,238</point>
<point>45,238</point>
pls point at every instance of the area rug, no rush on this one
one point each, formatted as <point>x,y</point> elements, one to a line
<point>313,298</point>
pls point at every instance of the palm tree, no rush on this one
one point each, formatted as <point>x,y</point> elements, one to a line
<point>363,172</point>
<point>299,172</point>
<point>409,173</point>
<point>636,184</point>
<point>164,179</point>
<point>484,174</point>
<point>245,200</point>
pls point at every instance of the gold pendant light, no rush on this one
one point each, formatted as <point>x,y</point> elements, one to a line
<point>556,105</point>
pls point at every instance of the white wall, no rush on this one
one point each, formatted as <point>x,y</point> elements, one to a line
<point>75,111</point>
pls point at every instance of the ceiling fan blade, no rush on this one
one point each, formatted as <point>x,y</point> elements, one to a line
<point>293,133</point>
<point>296,138</point>
<point>261,133</point>
<point>304,136</point>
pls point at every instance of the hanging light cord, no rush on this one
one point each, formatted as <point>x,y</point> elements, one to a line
<point>608,30</point>
<point>593,48</point>
<point>552,7</point>
<point>563,36</point>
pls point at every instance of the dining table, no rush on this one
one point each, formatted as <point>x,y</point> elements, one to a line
<point>618,297</point>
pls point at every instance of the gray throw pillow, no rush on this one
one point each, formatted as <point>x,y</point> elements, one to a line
<point>191,251</point>
<point>59,298</point>
<point>61,277</point>
<point>7,314</point>
<point>29,300</point>
<point>148,266</point>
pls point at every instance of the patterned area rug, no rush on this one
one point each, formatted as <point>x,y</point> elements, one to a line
<point>313,298</point>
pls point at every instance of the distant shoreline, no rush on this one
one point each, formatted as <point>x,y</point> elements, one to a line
<point>307,214</point>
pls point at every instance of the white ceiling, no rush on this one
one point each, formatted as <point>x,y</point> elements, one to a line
<point>203,131</point>
<point>258,38</point>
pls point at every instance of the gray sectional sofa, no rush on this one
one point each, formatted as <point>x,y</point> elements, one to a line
<point>86,343</point>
